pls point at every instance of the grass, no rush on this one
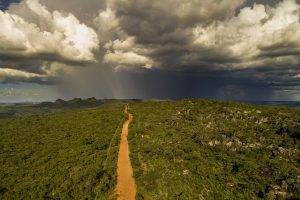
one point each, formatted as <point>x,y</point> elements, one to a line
<point>204,149</point>
<point>63,155</point>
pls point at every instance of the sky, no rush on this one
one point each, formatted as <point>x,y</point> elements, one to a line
<point>161,49</point>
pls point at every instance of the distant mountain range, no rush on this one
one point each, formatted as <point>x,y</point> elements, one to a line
<point>27,108</point>
<point>293,104</point>
<point>79,102</point>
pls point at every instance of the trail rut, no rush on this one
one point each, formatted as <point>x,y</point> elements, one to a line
<point>126,188</point>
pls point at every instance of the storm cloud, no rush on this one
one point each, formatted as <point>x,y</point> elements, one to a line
<point>234,47</point>
<point>183,35</point>
<point>57,37</point>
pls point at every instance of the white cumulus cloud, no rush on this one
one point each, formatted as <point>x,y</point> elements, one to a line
<point>53,37</point>
<point>256,36</point>
<point>127,60</point>
<point>126,54</point>
<point>58,35</point>
<point>7,74</point>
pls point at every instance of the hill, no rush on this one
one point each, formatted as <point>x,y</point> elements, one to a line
<point>70,154</point>
<point>186,149</point>
<point>29,109</point>
<point>204,149</point>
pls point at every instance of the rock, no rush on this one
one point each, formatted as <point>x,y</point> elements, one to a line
<point>230,184</point>
<point>59,101</point>
<point>273,188</point>
<point>186,172</point>
<point>229,144</point>
<point>75,100</point>
<point>261,121</point>
<point>238,142</point>
<point>257,144</point>
<point>282,194</point>
<point>281,150</point>
<point>92,99</point>
<point>217,142</point>
<point>209,125</point>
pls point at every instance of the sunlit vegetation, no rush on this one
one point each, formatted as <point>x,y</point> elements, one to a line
<point>69,154</point>
<point>203,149</point>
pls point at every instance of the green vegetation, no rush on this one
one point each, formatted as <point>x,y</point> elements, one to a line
<point>203,149</point>
<point>189,149</point>
<point>29,109</point>
<point>70,154</point>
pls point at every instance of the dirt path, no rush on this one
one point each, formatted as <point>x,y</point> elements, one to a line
<point>126,188</point>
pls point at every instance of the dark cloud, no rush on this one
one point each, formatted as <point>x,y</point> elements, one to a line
<point>83,10</point>
<point>232,49</point>
<point>157,84</point>
<point>4,4</point>
<point>166,28</point>
<point>21,79</point>
<point>184,36</point>
<point>264,2</point>
<point>40,50</point>
<point>155,21</point>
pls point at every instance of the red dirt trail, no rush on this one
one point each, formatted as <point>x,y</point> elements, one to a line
<point>126,188</point>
